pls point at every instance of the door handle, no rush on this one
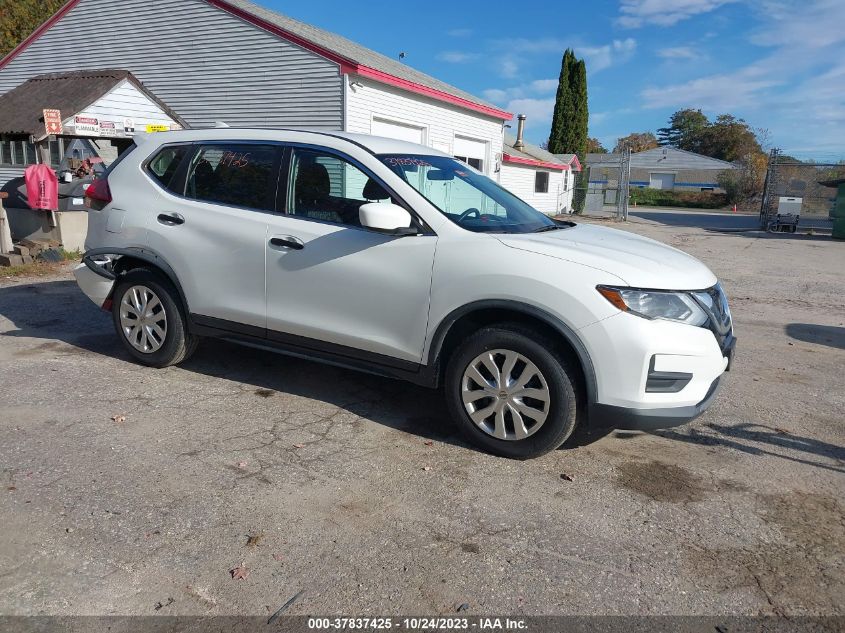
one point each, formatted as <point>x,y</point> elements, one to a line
<point>287,241</point>
<point>171,219</point>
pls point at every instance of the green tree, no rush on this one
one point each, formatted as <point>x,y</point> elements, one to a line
<point>577,137</point>
<point>564,107</point>
<point>571,115</point>
<point>684,129</point>
<point>594,146</point>
<point>20,18</point>
<point>636,141</point>
<point>728,138</point>
<point>745,184</point>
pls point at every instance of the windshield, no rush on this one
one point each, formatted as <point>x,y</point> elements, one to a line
<point>467,197</point>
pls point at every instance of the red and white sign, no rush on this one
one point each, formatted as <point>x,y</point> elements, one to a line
<point>52,122</point>
<point>86,126</point>
<point>108,128</point>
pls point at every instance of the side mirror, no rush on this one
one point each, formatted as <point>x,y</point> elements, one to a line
<point>386,218</point>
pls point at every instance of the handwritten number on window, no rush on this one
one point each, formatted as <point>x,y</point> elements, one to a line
<point>234,159</point>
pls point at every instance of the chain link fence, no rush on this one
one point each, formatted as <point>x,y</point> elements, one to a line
<point>605,186</point>
<point>793,193</point>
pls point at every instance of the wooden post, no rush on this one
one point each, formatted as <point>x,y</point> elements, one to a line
<point>43,151</point>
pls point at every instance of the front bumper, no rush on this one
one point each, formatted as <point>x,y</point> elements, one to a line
<point>653,373</point>
<point>625,418</point>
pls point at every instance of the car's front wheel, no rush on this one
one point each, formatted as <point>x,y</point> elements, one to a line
<point>511,393</point>
<point>148,319</point>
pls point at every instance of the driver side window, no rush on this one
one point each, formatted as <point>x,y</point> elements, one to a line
<point>325,187</point>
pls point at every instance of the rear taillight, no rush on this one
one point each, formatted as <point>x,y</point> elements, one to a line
<point>97,195</point>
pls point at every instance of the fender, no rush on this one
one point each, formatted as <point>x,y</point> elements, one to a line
<point>566,332</point>
<point>143,254</point>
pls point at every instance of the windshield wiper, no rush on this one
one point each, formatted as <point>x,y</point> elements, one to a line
<point>543,229</point>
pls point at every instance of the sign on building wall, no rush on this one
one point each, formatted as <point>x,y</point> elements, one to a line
<point>86,126</point>
<point>52,122</point>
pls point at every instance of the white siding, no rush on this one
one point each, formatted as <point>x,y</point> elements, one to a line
<point>126,101</point>
<point>440,122</point>
<point>519,180</point>
<point>203,62</point>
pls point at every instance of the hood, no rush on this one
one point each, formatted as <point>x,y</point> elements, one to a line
<point>641,262</point>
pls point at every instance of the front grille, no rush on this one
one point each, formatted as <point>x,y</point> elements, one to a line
<point>715,303</point>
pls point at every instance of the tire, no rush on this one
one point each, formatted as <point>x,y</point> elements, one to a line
<point>141,287</point>
<point>553,420</point>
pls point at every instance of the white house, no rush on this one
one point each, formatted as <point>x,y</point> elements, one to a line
<point>544,180</point>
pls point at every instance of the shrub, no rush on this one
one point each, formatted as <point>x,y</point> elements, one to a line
<point>683,199</point>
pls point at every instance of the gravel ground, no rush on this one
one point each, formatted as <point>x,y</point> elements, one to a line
<point>357,491</point>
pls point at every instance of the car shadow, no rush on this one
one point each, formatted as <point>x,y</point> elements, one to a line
<point>760,439</point>
<point>58,312</point>
<point>829,335</point>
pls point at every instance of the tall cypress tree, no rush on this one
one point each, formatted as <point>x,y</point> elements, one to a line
<point>571,116</point>
<point>563,104</point>
<point>569,122</point>
<point>580,115</point>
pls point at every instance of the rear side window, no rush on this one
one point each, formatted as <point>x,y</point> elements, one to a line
<point>164,166</point>
<point>240,175</point>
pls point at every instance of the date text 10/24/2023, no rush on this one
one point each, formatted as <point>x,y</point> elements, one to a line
<point>418,624</point>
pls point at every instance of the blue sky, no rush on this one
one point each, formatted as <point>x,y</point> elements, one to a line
<point>779,64</point>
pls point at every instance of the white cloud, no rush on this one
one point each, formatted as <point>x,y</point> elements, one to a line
<point>544,85</point>
<point>716,92</point>
<point>534,88</point>
<point>538,111</point>
<point>679,52</point>
<point>508,67</point>
<point>525,45</point>
<point>457,57</point>
<point>637,13</point>
<point>601,57</point>
<point>794,89</point>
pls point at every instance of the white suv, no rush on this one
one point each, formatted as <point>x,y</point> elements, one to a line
<point>396,259</point>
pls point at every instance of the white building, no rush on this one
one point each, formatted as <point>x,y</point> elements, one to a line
<point>544,180</point>
<point>235,61</point>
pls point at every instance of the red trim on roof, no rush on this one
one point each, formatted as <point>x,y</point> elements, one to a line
<point>17,50</point>
<point>410,86</point>
<point>518,160</point>
<point>345,64</point>
<point>577,162</point>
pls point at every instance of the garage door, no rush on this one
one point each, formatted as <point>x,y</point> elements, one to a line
<point>662,181</point>
<point>399,131</point>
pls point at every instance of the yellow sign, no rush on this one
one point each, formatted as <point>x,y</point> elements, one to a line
<point>154,127</point>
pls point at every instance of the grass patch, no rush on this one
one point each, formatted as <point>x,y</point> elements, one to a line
<point>40,266</point>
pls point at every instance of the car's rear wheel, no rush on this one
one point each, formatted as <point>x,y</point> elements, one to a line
<point>511,393</point>
<point>149,320</point>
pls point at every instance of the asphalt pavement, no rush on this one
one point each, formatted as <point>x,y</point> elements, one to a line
<point>129,490</point>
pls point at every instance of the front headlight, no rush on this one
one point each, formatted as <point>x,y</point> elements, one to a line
<point>656,304</point>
